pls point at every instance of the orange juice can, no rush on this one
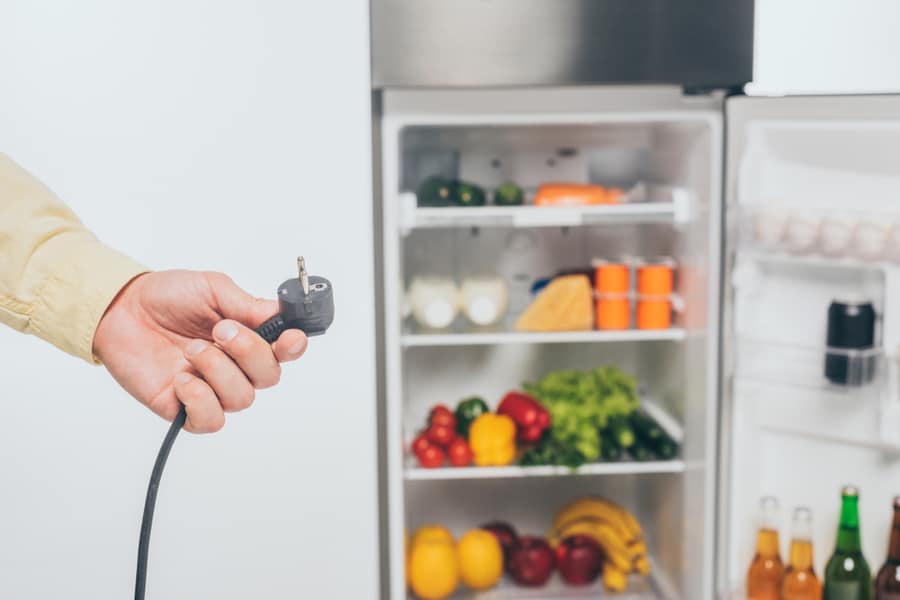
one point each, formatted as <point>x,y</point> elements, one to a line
<point>656,278</point>
<point>613,313</point>
<point>612,278</point>
<point>654,314</point>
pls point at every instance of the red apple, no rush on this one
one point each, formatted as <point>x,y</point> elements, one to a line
<point>579,559</point>
<point>531,561</point>
<point>505,534</point>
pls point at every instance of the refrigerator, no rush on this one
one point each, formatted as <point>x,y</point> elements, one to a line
<point>769,208</point>
<point>740,372</point>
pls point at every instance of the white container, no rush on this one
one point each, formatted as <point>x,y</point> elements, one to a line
<point>836,235</point>
<point>892,247</point>
<point>769,227</point>
<point>434,301</point>
<point>484,299</point>
<point>802,232</point>
<point>870,238</point>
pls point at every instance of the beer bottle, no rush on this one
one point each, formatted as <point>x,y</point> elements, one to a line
<point>800,581</point>
<point>847,574</point>
<point>766,570</point>
<point>887,582</point>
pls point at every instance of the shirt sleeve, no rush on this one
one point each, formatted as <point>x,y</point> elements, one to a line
<point>56,278</point>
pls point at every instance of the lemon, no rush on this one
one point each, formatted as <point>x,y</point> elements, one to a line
<point>480,559</point>
<point>431,533</point>
<point>433,569</point>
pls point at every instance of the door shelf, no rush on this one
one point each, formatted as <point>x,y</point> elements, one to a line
<point>639,588</point>
<point>413,473</point>
<point>643,204</point>
<point>561,337</point>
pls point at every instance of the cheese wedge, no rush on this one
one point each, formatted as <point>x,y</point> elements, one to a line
<point>564,305</point>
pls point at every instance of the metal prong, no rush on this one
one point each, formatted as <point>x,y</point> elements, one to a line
<point>304,276</point>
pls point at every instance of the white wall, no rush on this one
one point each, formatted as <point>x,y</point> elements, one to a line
<point>826,46</point>
<point>201,134</point>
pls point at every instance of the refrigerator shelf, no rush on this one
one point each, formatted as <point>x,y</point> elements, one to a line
<point>643,204</point>
<point>560,337</point>
<point>413,473</point>
<point>639,588</point>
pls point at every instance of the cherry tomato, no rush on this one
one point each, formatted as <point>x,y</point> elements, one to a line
<point>460,453</point>
<point>441,415</point>
<point>441,435</point>
<point>420,444</point>
<point>432,457</point>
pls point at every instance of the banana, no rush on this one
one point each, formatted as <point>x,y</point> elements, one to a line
<point>568,525</point>
<point>642,566</point>
<point>615,580</point>
<point>600,508</point>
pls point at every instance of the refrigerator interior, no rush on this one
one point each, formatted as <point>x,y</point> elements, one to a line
<point>667,152</point>
<point>813,215</point>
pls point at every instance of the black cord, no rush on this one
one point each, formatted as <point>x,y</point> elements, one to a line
<point>140,582</point>
<point>270,330</point>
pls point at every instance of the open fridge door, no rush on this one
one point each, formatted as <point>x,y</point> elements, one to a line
<point>812,221</point>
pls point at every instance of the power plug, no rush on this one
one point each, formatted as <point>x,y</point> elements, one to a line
<point>305,303</point>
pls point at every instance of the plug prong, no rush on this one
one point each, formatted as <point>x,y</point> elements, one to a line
<point>304,276</point>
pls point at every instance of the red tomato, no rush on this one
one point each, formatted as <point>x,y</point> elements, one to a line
<point>420,444</point>
<point>441,435</point>
<point>441,415</point>
<point>432,457</point>
<point>460,453</point>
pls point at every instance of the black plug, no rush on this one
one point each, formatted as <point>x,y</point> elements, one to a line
<point>305,303</point>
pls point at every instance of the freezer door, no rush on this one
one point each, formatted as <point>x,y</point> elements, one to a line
<point>812,213</point>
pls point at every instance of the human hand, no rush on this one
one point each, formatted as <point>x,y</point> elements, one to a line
<point>185,337</point>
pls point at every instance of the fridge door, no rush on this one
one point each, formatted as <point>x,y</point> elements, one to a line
<point>812,214</point>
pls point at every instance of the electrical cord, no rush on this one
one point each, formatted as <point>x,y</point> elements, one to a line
<point>305,303</point>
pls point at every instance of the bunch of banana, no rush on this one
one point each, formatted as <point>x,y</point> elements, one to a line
<point>614,528</point>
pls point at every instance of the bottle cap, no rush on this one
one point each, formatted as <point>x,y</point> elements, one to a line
<point>850,490</point>
<point>803,513</point>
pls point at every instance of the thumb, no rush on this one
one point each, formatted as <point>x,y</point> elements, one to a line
<point>233,302</point>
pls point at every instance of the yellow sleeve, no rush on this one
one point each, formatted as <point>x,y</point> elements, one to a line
<point>56,278</point>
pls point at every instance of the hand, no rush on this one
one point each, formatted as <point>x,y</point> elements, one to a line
<point>183,337</point>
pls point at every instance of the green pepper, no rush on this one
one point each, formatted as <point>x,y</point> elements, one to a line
<point>509,194</point>
<point>467,411</point>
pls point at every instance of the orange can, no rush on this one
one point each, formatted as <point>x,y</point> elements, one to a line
<point>612,278</point>
<point>655,279</point>
<point>654,314</point>
<point>613,313</point>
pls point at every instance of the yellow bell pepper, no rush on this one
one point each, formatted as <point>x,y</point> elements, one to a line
<point>493,440</point>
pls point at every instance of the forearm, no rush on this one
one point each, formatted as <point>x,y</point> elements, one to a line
<point>56,278</point>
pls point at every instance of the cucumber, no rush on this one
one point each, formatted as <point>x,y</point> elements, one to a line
<point>467,194</point>
<point>435,191</point>
<point>621,432</point>
<point>640,452</point>
<point>509,194</point>
<point>646,426</point>
<point>609,451</point>
<point>666,449</point>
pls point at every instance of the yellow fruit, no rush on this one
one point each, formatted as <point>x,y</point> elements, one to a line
<point>600,508</point>
<point>431,533</point>
<point>480,559</point>
<point>614,579</point>
<point>604,534</point>
<point>433,570</point>
<point>642,565</point>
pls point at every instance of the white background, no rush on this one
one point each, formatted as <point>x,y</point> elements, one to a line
<point>232,136</point>
<point>213,135</point>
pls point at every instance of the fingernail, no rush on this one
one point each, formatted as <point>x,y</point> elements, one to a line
<point>297,348</point>
<point>224,331</point>
<point>195,347</point>
<point>183,378</point>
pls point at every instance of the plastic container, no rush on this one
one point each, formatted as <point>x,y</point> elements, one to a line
<point>613,313</point>
<point>612,278</point>
<point>653,313</point>
<point>656,277</point>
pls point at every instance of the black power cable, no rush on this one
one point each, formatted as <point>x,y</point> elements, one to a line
<point>305,303</point>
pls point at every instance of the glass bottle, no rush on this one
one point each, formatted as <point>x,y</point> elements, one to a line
<point>800,581</point>
<point>766,570</point>
<point>887,582</point>
<point>847,574</point>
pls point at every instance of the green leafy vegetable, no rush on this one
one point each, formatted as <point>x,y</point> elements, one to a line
<point>581,403</point>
